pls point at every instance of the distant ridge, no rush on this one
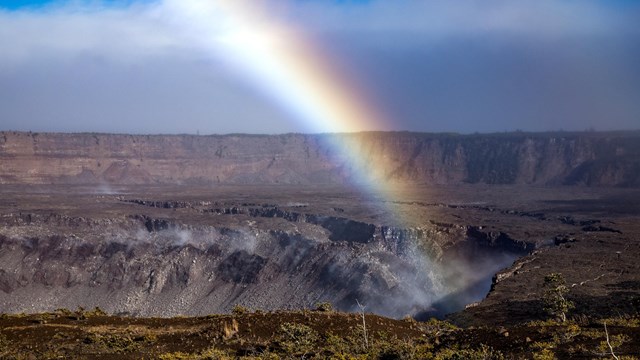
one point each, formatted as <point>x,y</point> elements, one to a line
<point>549,158</point>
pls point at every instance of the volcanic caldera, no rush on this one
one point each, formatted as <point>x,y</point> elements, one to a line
<point>168,225</point>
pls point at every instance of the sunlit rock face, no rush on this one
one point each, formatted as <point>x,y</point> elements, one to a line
<point>512,158</point>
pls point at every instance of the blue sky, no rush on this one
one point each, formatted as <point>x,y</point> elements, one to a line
<point>14,4</point>
<point>459,66</point>
<point>26,4</point>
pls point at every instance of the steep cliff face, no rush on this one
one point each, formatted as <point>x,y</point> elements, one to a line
<point>594,159</point>
<point>143,265</point>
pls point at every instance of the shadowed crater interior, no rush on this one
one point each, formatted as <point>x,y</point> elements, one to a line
<point>241,267</point>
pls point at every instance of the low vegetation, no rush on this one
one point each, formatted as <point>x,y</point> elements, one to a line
<point>555,296</point>
<point>318,334</point>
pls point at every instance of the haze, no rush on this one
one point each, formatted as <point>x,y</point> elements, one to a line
<point>435,66</point>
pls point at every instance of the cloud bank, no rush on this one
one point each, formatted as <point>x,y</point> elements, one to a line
<point>460,66</point>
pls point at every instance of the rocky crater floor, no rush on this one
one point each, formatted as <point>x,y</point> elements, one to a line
<point>476,252</point>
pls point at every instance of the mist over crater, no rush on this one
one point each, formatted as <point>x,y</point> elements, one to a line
<point>168,225</point>
<point>192,257</point>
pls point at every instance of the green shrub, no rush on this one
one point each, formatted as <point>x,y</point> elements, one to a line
<point>42,318</point>
<point>178,355</point>
<point>338,346</point>
<point>400,350</point>
<point>239,310</point>
<point>4,344</point>
<point>615,340</point>
<point>95,312</point>
<point>63,312</point>
<point>324,306</point>
<point>629,321</point>
<point>116,342</point>
<point>483,353</point>
<point>209,354</point>
<point>544,354</point>
<point>214,354</point>
<point>554,298</point>
<point>295,338</point>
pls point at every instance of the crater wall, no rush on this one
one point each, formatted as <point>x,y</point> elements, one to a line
<point>587,158</point>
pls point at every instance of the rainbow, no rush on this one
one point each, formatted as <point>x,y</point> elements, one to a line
<point>287,66</point>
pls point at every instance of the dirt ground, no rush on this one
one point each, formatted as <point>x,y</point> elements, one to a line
<point>302,334</point>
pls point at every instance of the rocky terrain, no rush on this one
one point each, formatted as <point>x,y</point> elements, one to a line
<point>561,158</point>
<point>187,225</point>
<point>164,251</point>
<point>208,250</point>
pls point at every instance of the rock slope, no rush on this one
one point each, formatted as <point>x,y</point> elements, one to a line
<point>146,260</point>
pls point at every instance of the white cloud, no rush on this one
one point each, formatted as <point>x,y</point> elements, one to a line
<point>138,68</point>
<point>137,31</point>
<point>118,34</point>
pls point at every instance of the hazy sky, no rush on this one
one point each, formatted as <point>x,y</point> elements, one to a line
<point>183,66</point>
